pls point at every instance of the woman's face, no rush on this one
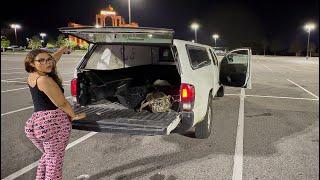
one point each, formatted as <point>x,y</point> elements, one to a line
<point>44,62</point>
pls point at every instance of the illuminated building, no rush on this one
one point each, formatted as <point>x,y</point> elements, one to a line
<point>106,17</point>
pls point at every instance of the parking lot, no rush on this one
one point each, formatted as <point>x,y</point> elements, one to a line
<point>268,132</point>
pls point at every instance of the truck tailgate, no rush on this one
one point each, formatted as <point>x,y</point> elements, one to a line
<point>115,118</point>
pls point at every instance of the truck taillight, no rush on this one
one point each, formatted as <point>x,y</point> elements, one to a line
<point>74,87</point>
<point>187,96</point>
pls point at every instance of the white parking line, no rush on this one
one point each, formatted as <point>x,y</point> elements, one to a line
<point>303,89</point>
<point>65,73</point>
<point>238,154</point>
<point>277,97</point>
<point>15,73</point>
<point>11,69</point>
<point>11,90</point>
<point>290,68</point>
<point>268,68</point>
<point>14,90</point>
<point>35,164</point>
<point>232,94</point>
<point>14,79</point>
<point>22,109</point>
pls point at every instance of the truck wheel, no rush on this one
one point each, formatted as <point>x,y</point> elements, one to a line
<point>203,129</point>
<point>220,92</point>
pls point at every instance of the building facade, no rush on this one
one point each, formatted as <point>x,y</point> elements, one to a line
<point>106,17</point>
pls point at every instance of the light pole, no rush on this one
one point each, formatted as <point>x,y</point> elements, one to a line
<point>309,27</point>
<point>215,37</point>
<point>195,26</point>
<point>15,27</point>
<point>129,9</point>
<point>42,37</point>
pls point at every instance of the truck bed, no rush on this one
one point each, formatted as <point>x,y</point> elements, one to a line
<point>114,118</point>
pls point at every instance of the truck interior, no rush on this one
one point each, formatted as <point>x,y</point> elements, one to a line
<point>116,78</point>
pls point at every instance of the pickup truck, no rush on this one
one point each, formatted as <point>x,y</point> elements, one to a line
<point>122,65</point>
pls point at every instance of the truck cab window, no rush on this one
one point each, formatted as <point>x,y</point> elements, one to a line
<point>198,56</point>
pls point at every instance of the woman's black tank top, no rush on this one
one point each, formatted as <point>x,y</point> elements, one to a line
<point>40,100</point>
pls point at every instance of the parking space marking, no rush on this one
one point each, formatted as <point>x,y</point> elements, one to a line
<point>22,109</point>
<point>65,73</point>
<point>268,68</point>
<point>238,153</point>
<point>35,164</point>
<point>303,89</point>
<point>274,97</point>
<point>15,73</point>
<point>290,68</point>
<point>23,82</point>
<point>10,90</point>
<point>14,90</point>
<point>13,79</point>
<point>10,69</point>
<point>277,97</point>
<point>232,94</point>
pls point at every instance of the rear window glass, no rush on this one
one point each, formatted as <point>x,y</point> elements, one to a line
<point>198,56</point>
<point>106,57</point>
<point>110,57</point>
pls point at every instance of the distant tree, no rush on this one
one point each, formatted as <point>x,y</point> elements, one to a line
<point>61,41</point>
<point>264,44</point>
<point>71,44</point>
<point>296,47</point>
<point>4,42</point>
<point>276,46</point>
<point>85,46</point>
<point>34,42</point>
<point>51,43</point>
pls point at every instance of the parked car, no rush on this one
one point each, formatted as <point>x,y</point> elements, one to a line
<point>54,49</point>
<point>14,48</point>
<point>125,65</point>
<point>220,52</point>
<point>50,49</point>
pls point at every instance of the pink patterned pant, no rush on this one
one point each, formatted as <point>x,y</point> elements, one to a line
<point>49,131</point>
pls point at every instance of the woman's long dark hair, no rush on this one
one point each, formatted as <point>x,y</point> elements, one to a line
<point>30,59</point>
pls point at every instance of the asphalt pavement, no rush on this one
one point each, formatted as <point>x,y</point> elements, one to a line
<point>268,132</point>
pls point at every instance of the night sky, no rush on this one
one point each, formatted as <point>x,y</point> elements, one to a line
<point>239,22</point>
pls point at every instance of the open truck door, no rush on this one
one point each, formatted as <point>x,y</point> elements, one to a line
<point>109,116</point>
<point>235,68</point>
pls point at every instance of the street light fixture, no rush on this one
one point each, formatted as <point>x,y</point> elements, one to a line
<point>15,27</point>
<point>42,37</point>
<point>195,26</point>
<point>309,27</point>
<point>215,37</point>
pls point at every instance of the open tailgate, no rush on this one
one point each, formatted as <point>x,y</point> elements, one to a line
<point>115,118</point>
<point>121,34</point>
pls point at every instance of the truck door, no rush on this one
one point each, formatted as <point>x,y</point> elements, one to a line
<point>235,68</point>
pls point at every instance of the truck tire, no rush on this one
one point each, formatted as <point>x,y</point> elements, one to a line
<point>220,92</point>
<point>203,129</point>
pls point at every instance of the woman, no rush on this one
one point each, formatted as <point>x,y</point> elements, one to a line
<point>49,126</point>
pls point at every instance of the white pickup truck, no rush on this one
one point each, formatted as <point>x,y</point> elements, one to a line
<point>122,66</point>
